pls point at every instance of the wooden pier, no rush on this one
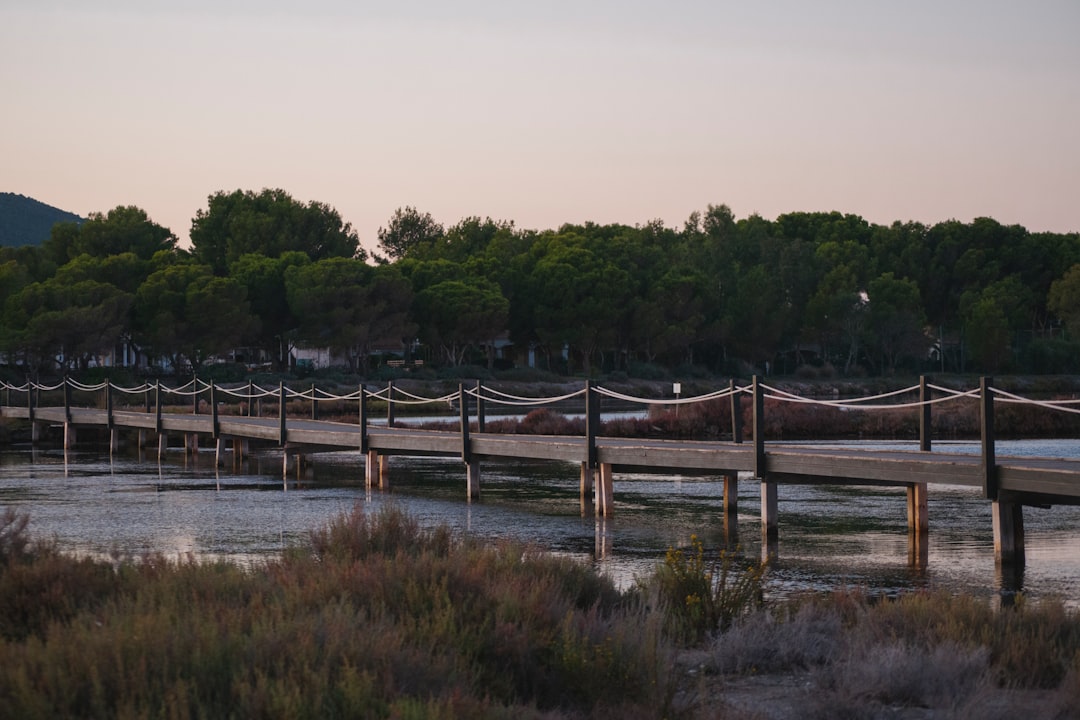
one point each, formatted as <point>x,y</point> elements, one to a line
<point>1008,483</point>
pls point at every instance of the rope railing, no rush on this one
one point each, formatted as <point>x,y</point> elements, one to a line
<point>718,395</point>
<point>519,401</point>
<point>522,398</point>
<point>1058,405</point>
<point>491,395</point>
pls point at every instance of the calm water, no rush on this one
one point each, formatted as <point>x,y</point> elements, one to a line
<point>829,536</point>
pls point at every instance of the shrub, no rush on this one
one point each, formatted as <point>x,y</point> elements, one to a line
<point>700,598</point>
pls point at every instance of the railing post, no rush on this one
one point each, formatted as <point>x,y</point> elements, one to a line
<point>109,403</point>
<point>146,399</point>
<point>736,413</point>
<point>463,410</point>
<point>67,398</point>
<point>989,459</point>
<point>195,394</point>
<point>214,424</point>
<point>314,404</point>
<point>390,403</point>
<point>157,407</point>
<point>363,419</point>
<point>925,425</point>
<point>480,415</point>
<point>29,400</point>
<point>283,433</point>
<point>592,423</point>
<point>759,429</point>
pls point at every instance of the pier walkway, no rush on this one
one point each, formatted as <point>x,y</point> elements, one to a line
<point>1008,483</point>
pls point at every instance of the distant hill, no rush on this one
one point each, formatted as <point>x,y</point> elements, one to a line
<point>26,221</point>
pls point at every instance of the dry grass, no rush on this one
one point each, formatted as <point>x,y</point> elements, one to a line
<point>376,618</point>
<point>929,651</point>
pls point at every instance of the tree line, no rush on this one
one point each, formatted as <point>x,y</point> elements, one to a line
<point>719,294</point>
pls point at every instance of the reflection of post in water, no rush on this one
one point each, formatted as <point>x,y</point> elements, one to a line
<point>918,550</point>
<point>603,544</point>
<point>588,501</point>
<point>1009,577</point>
<point>731,508</point>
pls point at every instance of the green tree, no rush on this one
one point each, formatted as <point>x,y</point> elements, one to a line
<point>66,323</point>
<point>1064,299</point>
<point>350,307</point>
<point>896,323</point>
<point>457,316</point>
<point>124,229</point>
<point>408,230</point>
<point>578,298</point>
<point>264,279</point>
<point>269,223</point>
<point>186,313</point>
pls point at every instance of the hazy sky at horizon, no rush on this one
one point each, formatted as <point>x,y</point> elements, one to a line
<point>545,113</point>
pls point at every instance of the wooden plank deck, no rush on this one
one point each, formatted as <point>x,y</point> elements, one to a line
<point>1045,480</point>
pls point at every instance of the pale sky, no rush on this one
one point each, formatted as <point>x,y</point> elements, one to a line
<point>548,112</point>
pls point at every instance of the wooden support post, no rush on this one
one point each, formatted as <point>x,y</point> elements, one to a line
<point>925,424</point>
<point>917,518</point>
<point>736,413</point>
<point>605,493</point>
<point>69,435</point>
<point>162,445</point>
<point>114,439</point>
<point>371,469</point>
<point>731,506</point>
<point>588,505</point>
<point>731,495</point>
<point>989,458</point>
<point>194,394</point>
<point>219,451</point>
<point>1008,520</point>
<point>472,479</point>
<point>384,472</point>
<point>314,404</point>
<point>146,399</point>
<point>191,444</point>
<point>250,397</point>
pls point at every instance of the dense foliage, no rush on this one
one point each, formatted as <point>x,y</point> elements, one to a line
<point>816,292</point>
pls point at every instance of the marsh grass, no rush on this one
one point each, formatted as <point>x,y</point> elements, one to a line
<point>958,655</point>
<point>376,618</point>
